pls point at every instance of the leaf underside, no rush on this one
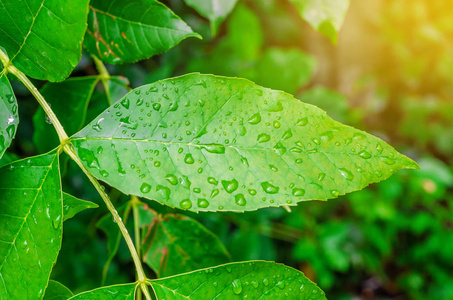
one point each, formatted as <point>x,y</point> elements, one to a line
<point>24,33</point>
<point>252,280</point>
<point>215,11</point>
<point>122,31</point>
<point>57,291</point>
<point>207,143</point>
<point>326,16</point>
<point>175,244</point>
<point>31,216</point>
<point>9,115</point>
<point>117,292</point>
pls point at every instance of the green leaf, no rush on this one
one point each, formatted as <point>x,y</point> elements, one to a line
<point>123,31</point>
<point>175,244</point>
<point>117,292</point>
<point>207,143</point>
<point>31,216</point>
<point>326,16</point>
<point>57,291</point>
<point>9,116</point>
<point>8,157</point>
<point>298,69</point>
<point>254,280</point>
<point>215,11</point>
<point>43,38</point>
<point>69,101</point>
<point>72,206</point>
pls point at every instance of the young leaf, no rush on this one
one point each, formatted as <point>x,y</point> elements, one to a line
<point>326,16</point>
<point>123,31</point>
<point>43,38</point>
<point>72,206</point>
<point>69,101</point>
<point>57,291</point>
<point>206,143</point>
<point>175,244</point>
<point>117,292</point>
<point>253,280</point>
<point>9,116</point>
<point>31,216</point>
<point>215,11</point>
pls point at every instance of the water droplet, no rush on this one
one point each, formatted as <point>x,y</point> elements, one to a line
<point>230,186</point>
<point>125,103</point>
<point>269,188</point>
<point>157,164</point>
<point>255,119</point>
<point>153,89</point>
<point>228,269</point>
<point>334,193</point>
<point>327,136</point>
<point>203,203</point>
<point>212,180</point>
<point>104,173</point>
<point>276,124</point>
<point>214,148</point>
<point>172,179</point>
<point>364,154</point>
<point>255,284</point>
<point>273,168</point>
<point>302,122</point>
<point>189,159</point>
<point>298,192</point>
<point>145,188</point>
<point>240,200</point>
<point>299,161</point>
<point>321,176</point>
<point>214,193</point>
<point>252,192</point>
<point>288,134</point>
<point>185,204</point>
<point>275,107</point>
<point>388,160</point>
<point>263,137</point>
<point>266,282</point>
<point>346,174</point>
<point>280,285</point>
<point>237,286</point>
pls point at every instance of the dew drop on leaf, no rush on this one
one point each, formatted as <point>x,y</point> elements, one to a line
<point>185,204</point>
<point>269,188</point>
<point>230,186</point>
<point>145,188</point>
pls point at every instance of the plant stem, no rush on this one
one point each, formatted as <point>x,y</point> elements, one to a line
<point>104,75</point>
<point>135,203</point>
<point>29,85</point>
<point>67,147</point>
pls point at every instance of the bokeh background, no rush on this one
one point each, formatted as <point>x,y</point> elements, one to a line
<point>390,74</point>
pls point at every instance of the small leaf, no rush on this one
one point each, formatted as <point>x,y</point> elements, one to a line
<point>175,244</point>
<point>9,115</point>
<point>130,31</point>
<point>299,68</point>
<point>72,206</point>
<point>215,11</point>
<point>31,221</point>
<point>117,292</point>
<point>57,291</point>
<point>43,38</point>
<point>69,101</point>
<point>207,143</point>
<point>253,280</point>
<point>326,16</point>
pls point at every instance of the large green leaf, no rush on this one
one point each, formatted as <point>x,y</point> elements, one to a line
<point>69,101</point>
<point>31,218</point>
<point>214,10</point>
<point>117,292</point>
<point>9,116</point>
<point>57,291</point>
<point>326,16</point>
<point>73,205</point>
<point>252,280</point>
<point>122,31</point>
<point>206,143</point>
<point>43,38</point>
<point>175,244</point>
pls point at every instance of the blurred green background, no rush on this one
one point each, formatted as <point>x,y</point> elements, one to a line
<point>391,74</point>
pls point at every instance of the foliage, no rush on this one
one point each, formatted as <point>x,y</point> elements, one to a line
<point>197,143</point>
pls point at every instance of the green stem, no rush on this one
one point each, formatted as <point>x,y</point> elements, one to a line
<point>104,75</point>
<point>135,204</point>
<point>100,189</point>
<point>29,85</point>
<point>69,150</point>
